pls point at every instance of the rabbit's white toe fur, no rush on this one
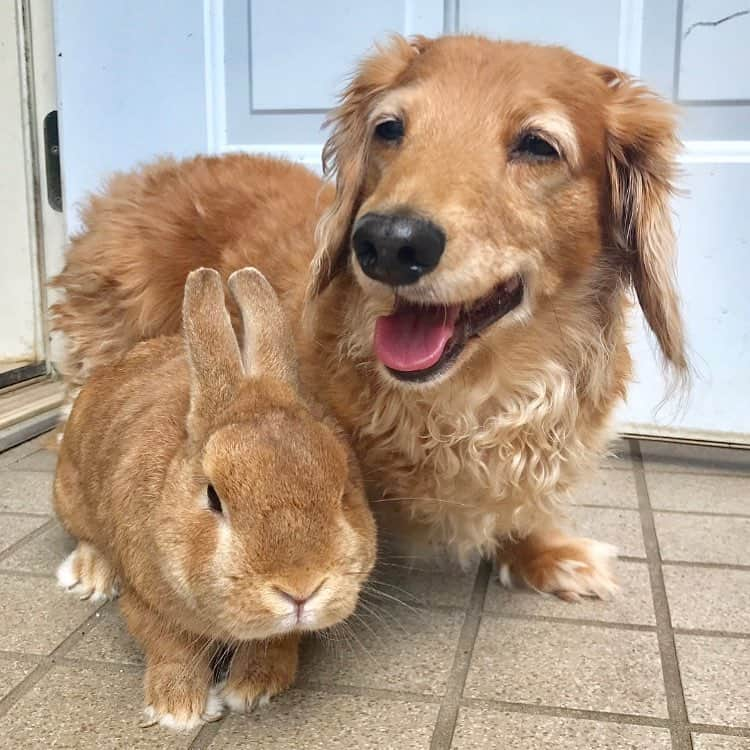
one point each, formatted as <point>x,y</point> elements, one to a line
<point>86,572</point>
<point>184,722</point>
<point>237,701</point>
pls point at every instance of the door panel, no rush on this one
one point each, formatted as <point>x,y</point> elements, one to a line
<point>714,233</point>
<point>283,72</point>
<point>550,23</point>
<point>130,87</point>
<point>184,76</point>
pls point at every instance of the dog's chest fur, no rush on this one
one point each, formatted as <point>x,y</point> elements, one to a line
<point>466,468</point>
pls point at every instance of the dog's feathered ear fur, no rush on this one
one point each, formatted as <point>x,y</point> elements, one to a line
<point>345,152</point>
<point>641,160</point>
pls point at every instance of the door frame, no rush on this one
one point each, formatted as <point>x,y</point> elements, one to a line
<point>30,406</point>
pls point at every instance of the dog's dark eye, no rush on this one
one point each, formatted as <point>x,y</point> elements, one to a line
<point>213,500</point>
<point>390,130</point>
<point>533,146</point>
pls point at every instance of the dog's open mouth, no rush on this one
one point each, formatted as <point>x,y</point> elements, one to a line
<point>415,342</point>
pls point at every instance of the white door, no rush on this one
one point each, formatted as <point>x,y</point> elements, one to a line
<point>140,78</point>
<point>21,343</point>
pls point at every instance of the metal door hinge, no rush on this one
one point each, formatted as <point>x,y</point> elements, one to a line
<point>52,161</point>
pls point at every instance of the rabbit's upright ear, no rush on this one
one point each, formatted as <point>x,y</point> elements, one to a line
<point>268,347</point>
<point>213,351</point>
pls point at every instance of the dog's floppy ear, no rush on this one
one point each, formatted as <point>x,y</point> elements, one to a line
<point>641,160</point>
<point>345,152</point>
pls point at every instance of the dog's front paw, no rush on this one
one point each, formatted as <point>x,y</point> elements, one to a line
<point>568,567</point>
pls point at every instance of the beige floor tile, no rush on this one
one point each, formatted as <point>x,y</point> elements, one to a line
<point>422,584</point>
<point>315,721</point>
<point>714,679</point>
<point>699,492</point>
<point>26,491</point>
<point>82,708</point>
<point>12,671</point>
<point>40,460</point>
<point>36,615</point>
<point>708,599</point>
<point>15,454</point>
<point>693,538</point>
<point>696,459</point>
<point>567,665</point>
<point>108,640</point>
<point>398,650</point>
<point>632,605</point>
<point>15,528</point>
<point>42,554</point>
<point>619,527</point>
<point>502,730</point>
<point>608,487</point>
<point>719,742</point>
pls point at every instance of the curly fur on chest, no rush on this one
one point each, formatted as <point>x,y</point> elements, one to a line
<point>480,462</point>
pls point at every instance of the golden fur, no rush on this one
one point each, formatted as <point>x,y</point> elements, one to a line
<point>148,438</point>
<point>482,458</point>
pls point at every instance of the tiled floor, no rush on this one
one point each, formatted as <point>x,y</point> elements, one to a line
<point>435,659</point>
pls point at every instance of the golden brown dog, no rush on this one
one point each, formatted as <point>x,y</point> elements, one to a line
<point>465,315</point>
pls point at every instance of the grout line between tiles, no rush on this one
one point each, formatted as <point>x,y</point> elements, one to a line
<point>690,470</point>
<point>206,735</point>
<point>538,709</point>
<point>605,507</point>
<point>445,725</point>
<point>700,513</point>
<point>604,624</point>
<point>7,461</point>
<point>713,633</point>
<point>26,574</point>
<point>710,565</point>
<point>99,664</point>
<point>368,692</point>
<point>676,707</point>
<point>23,687</point>
<point>46,663</point>
<point>36,658</point>
<point>631,558</point>
<point>719,729</point>
<point>535,709</point>
<point>8,551</point>
<point>208,732</point>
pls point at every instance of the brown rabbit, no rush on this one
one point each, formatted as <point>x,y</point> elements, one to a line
<point>226,511</point>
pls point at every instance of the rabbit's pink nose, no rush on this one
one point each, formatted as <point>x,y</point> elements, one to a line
<point>297,599</point>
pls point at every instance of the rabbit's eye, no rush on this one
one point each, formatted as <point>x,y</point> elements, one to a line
<point>213,500</point>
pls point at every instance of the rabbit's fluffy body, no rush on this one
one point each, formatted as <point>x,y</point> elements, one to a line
<point>146,439</point>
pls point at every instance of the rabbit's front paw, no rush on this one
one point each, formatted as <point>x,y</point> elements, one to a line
<point>258,672</point>
<point>183,712</point>
<point>87,572</point>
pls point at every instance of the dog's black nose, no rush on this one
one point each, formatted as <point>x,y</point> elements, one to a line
<point>397,249</point>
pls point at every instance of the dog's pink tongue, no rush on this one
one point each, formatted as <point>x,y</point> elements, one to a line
<point>413,339</point>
